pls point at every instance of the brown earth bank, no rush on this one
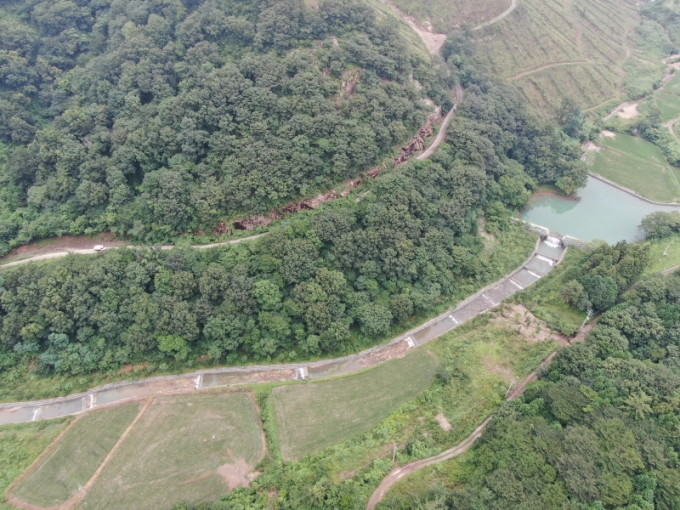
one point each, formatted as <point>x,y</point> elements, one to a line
<point>63,243</point>
<point>416,145</point>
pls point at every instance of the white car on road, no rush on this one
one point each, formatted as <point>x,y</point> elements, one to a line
<point>99,247</point>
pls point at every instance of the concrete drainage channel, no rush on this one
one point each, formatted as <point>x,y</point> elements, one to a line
<point>548,252</point>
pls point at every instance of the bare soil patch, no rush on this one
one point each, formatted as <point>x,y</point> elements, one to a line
<point>61,243</point>
<point>443,422</point>
<point>629,112</point>
<point>432,40</point>
<point>590,146</point>
<point>534,330</point>
<point>607,134</point>
<point>237,474</point>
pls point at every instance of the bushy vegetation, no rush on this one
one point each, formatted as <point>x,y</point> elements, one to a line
<point>660,224</point>
<point>599,429</point>
<point>586,280</point>
<point>604,275</point>
<point>154,118</point>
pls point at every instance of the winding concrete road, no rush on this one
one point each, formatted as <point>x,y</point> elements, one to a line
<point>513,6</point>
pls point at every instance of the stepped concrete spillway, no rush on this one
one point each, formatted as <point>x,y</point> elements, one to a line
<point>548,252</point>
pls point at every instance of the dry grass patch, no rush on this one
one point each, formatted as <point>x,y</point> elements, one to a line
<point>188,448</point>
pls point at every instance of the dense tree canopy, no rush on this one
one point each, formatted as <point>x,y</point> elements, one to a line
<point>152,118</point>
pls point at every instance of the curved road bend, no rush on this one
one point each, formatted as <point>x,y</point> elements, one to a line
<point>441,134</point>
<point>544,257</point>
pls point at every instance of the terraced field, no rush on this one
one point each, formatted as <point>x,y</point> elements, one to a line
<point>553,49</point>
<point>75,457</point>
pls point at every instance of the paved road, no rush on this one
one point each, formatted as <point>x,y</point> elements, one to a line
<point>545,256</point>
<point>69,251</point>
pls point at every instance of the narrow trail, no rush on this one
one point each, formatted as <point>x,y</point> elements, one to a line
<point>670,124</point>
<point>513,6</point>
<point>550,65</point>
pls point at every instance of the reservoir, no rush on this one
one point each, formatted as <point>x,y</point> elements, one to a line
<point>599,211</point>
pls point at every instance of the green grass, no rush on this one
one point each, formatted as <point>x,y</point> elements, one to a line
<point>21,444</point>
<point>673,85</point>
<point>544,297</point>
<point>316,415</point>
<point>173,453</point>
<point>664,254</point>
<point>669,105</point>
<point>412,39</point>
<point>75,458</point>
<point>637,165</point>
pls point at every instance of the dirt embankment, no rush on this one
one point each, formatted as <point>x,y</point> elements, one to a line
<point>431,39</point>
<point>408,151</point>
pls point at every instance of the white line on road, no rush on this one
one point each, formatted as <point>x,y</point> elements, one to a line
<point>489,300</point>
<point>453,319</point>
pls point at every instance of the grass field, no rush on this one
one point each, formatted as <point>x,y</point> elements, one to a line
<point>664,254</point>
<point>183,449</point>
<point>75,458</point>
<point>673,85</point>
<point>637,165</point>
<point>476,364</point>
<point>21,444</point>
<point>313,416</point>
<point>669,105</point>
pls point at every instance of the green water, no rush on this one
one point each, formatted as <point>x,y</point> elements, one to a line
<point>600,212</point>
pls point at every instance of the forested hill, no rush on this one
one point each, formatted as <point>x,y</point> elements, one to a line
<point>152,118</point>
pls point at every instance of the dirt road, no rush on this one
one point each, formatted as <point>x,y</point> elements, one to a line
<point>513,6</point>
<point>441,134</point>
<point>89,251</point>
<point>550,65</point>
